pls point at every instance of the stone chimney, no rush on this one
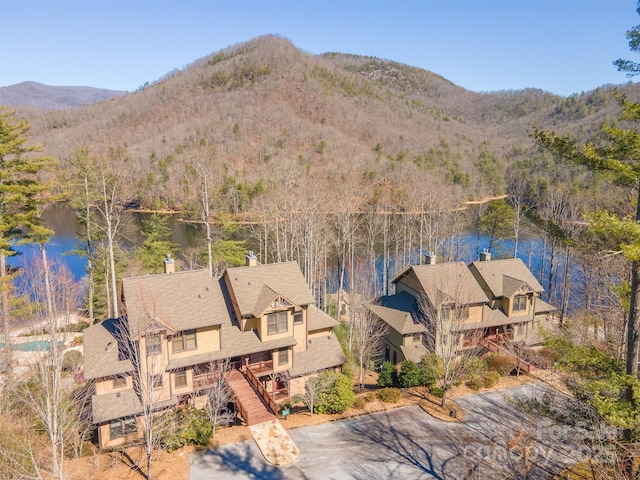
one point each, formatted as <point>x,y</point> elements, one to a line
<point>169,264</point>
<point>485,256</point>
<point>430,258</point>
<point>251,259</point>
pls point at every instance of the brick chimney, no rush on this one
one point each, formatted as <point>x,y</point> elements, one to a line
<point>485,255</point>
<point>169,264</point>
<point>251,260</point>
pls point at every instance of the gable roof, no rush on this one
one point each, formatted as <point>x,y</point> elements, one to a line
<point>397,311</point>
<point>444,282</point>
<point>102,348</point>
<point>283,278</point>
<point>504,277</point>
<point>322,352</point>
<point>318,320</point>
<point>177,301</point>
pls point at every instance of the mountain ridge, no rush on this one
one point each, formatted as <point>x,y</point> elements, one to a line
<point>263,111</point>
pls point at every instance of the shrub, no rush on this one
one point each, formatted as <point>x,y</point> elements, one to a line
<point>410,374</point>
<point>338,397</point>
<point>71,361</point>
<point>191,427</point>
<point>388,375</point>
<point>389,395</point>
<point>474,366</point>
<point>501,363</point>
<point>436,392</point>
<point>475,383</point>
<point>370,397</point>
<point>490,379</point>
<point>359,403</point>
<point>543,357</point>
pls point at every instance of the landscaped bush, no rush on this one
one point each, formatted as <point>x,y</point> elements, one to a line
<point>436,392</point>
<point>410,374</point>
<point>389,395</point>
<point>71,361</point>
<point>370,397</point>
<point>543,357</point>
<point>501,363</point>
<point>474,366</point>
<point>388,375</point>
<point>475,383</point>
<point>191,427</point>
<point>338,397</point>
<point>359,403</point>
<point>490,379</point>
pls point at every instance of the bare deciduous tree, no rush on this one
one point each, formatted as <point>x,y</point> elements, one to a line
<point>219,395</point>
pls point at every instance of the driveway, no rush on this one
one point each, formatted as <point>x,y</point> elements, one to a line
<point>409,443</point>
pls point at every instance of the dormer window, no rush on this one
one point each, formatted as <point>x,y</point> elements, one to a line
<point>276,323</point>
<point>519,303</point>
<point>154,344</point>
<point>184,341</point>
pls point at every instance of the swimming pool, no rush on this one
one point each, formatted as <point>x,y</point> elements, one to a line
<point>34,346</point>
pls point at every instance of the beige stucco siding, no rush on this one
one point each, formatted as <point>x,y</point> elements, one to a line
<point>207,340</point>
<point>300,333</point>
<point>106,386</point>
<point>275,336</point>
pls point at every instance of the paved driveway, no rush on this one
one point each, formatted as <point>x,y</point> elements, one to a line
<point>409,443</point>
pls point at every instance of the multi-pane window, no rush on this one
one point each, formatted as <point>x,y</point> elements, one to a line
<point>120,381</point>
<point>180,379</point>
<point>445,312</point>
<point>185,341</point>
<point>283,356</point>
<point>154,344</point>
<point>297,318</point>
<point>122,427</point>
<point>276,323</point>
<point>156,381</point>
<point>519,303</point>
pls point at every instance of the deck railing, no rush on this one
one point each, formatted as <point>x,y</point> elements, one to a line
<point>257,385</point>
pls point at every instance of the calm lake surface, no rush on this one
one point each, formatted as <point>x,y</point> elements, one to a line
<point>63,221</point>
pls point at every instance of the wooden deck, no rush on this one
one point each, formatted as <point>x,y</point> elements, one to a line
<point>248,402</point>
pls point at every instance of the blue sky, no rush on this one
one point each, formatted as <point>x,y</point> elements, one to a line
<point>482,45</point>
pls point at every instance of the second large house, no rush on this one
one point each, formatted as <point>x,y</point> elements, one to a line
<point>461,306</point>
<point>261,318</point>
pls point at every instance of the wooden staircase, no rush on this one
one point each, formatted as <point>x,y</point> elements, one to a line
<point>496,347</point>
<point>248,402</point>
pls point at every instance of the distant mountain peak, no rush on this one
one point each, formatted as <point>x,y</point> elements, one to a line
<point>49,97</point>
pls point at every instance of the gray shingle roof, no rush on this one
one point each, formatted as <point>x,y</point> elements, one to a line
<point>115,405</point>
<point>180,301</point>
<point>318,320</point>
<point>494,318</point>
<point>543,307</point>
<point>494,271</point>
<point>414,352</point>
<point>322,352</point>
<point>446,281</point>
<point>284,278</point>
<point>102,351</point>
<point>398,312</point>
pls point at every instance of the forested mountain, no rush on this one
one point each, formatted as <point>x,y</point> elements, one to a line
<point>47,97</point>
<point>266,113</point>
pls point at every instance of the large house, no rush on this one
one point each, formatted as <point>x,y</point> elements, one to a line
<point>260,318</point>
<point>459,305</point>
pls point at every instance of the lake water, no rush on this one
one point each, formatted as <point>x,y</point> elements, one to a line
<point>61,219</point>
